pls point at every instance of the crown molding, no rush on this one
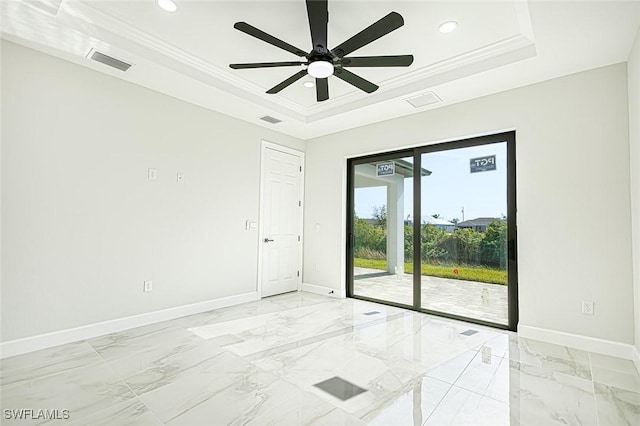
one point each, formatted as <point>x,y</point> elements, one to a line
<point>88,19</point>
<point>93,22</point>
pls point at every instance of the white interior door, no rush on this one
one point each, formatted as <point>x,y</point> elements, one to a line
<point>281,222</point>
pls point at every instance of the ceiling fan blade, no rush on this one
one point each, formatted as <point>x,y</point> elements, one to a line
<point>318,13</point>
<point>259,34</point>
<point>278,87</point>
<point>322,89</point>
<point>378,61</point>
<point>384,26</point>
<point>265,65</point>
<point>356,80</point>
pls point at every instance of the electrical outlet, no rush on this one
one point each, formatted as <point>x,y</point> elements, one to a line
<point>587,307</point>
<point>148,286</point>
<point>152,174</point>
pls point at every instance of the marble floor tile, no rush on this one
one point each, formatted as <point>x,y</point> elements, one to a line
<point>82,391</point>
<point>617,406</point>
<point>194,387</point>
<point>264,306</point>
<point>256,364</point>
<point>461,407</point>
<point>303,408</point>
<point>124,344</point>
<point>128,413</point>
<point>541,396</point>
<point>561,359</point>
<point>503,381</point>
<point>423,351</point>
<point>153,373</point>
<point>616,372</point>
<point>450,370</point>
<point>220,369</point>
<point>480,372</point>
<point>499,345</point>
<point>257,398</point>
<point>411,406</point>
<point>48,361</point>
<point>437,330</point>
<point>181,354</point>
<point>335,417</point>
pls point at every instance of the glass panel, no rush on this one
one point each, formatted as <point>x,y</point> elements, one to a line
<point>383,238</point>
<point>464,232</point>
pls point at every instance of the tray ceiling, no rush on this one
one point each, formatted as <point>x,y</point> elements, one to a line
<point>186,54</point>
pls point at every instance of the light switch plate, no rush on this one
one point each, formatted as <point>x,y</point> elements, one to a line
<point>180,178</point>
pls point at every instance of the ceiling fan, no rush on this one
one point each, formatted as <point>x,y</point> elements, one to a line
<point>322,62</point>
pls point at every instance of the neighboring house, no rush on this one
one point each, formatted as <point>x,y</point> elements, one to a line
<point>479,224</point>
<point>442,224</point>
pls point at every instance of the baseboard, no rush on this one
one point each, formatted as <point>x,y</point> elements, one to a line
<point>42,341</point>
<point>325,291</point>
<point>591,344</point>
<point>636,358</point>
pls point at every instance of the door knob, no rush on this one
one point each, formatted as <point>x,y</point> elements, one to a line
<point>266,240</point>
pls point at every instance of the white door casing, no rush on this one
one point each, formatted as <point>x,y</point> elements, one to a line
<point>281,220</point>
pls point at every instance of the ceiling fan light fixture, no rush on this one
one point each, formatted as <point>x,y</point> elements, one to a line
<point>320,69</point>
<point>167,5</point>
<point>447,27</point>
<point>309,84</point>
<point>323,62</point>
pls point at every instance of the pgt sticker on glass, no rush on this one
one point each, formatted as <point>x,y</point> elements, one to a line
<point>388,168</point>
<point>483,164</point>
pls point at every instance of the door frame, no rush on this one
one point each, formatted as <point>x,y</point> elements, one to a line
<point>264,145</point>
<point>512,258</point>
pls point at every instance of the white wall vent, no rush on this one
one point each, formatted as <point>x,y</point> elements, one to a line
<point>108,60</point>
<point>270,119</point>
<point>424,99</point>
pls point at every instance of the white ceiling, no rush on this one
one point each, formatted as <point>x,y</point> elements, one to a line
<point>499,45</point>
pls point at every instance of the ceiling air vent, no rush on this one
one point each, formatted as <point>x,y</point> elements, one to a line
<point>108,60</point>
<point>425,99</point>
<point>270,119</point>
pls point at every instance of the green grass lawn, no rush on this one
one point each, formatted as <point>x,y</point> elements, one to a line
<point>483,275</point>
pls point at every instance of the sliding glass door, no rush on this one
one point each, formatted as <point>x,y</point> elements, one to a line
<point>383,202</point>
<point>441,240</point>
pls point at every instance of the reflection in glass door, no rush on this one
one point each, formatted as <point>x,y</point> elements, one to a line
<point>383,201</point>
<point>442,240</point>
<point>463,233</point>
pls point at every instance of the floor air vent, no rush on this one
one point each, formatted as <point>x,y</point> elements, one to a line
<point>270,119</point>
<point>108,60</point>
<point>340,388</point>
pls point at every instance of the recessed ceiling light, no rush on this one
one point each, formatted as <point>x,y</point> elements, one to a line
<point>447,27</point>
<point>168,5</point>
<point>309,84</point>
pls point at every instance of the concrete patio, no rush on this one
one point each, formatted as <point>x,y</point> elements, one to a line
<point>487,302</point>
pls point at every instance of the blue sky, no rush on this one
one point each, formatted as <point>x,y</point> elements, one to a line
<point>451,186</point>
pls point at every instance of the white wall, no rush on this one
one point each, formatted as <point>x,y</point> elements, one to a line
<point>633,75</point>
<point>82,227</point>
<point>573,194</point>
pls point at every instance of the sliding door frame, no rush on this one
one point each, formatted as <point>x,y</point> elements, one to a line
<point>416,153</point>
